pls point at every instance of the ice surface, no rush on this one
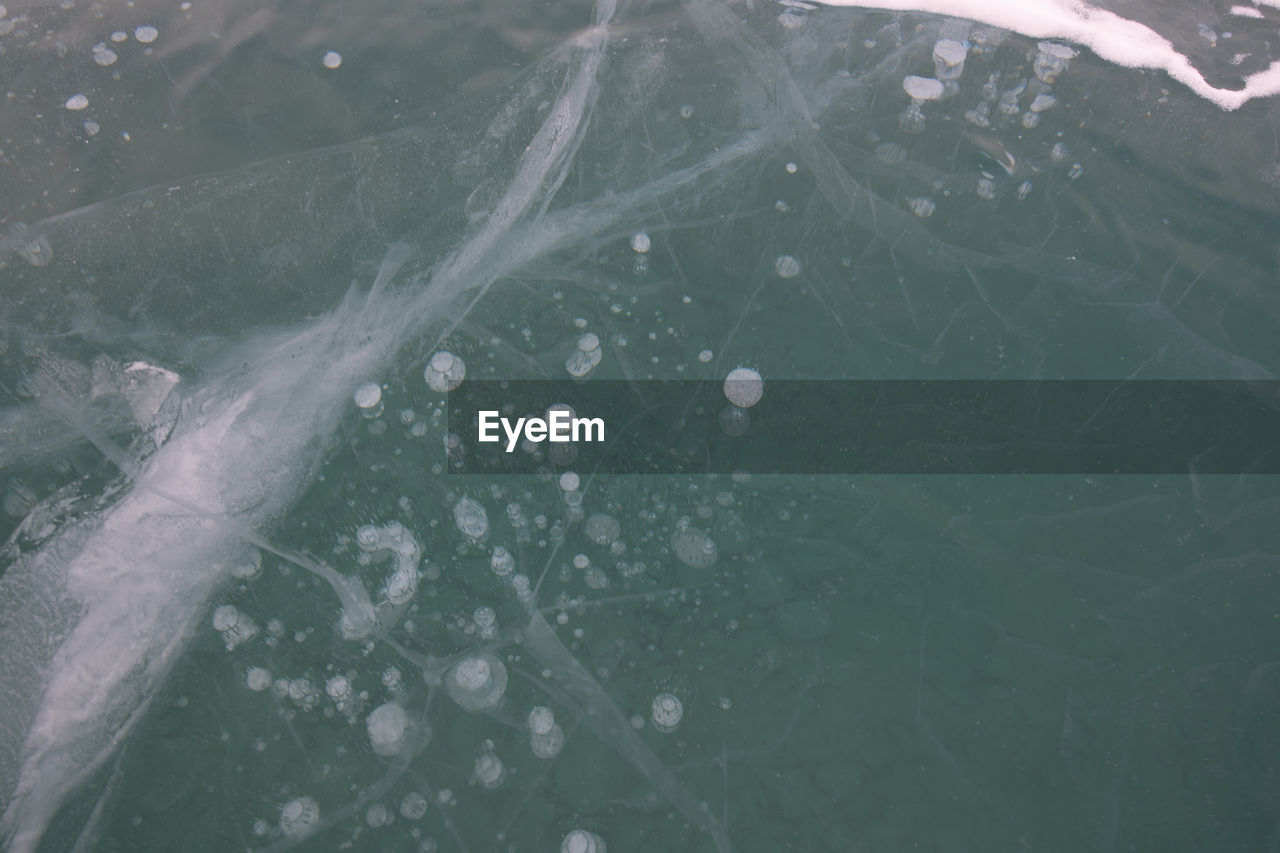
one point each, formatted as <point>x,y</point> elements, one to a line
<point>183,357</point>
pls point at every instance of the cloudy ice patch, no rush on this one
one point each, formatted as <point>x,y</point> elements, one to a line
<point>137,580</point>
<point>1112,37</point>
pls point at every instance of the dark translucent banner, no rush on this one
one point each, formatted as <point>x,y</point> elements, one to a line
<point>868,427</point>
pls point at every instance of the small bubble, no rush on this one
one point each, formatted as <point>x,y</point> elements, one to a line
<point>705,356</point>
<point>146,34</point>
<point>77,102</point>
<point>332,59</point>
<point>787,266</point>
<point>104,55</point>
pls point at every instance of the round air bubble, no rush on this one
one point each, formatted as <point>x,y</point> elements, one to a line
<point>338,688</point>
<point>258,679</point>
<point>388,727</point>
<point>948,59</point>
<point>484,617</point>
<point>236,627</point>
<point>585,357</point>
<point>471,518</point>
<point>546,738</point>
<point>694,548</point>
<point>786,266</point>
<point>923,88</point>
<point>331,60</point>
<point>225,618</point>
<point>1051,61</point>
<point>77,102</point>
<point>104,55</point>
<point>248,565</point>
<point>368,538</point>
<point>146,34</point>
<point>401,586</point>
<point>547,745</point>
<point>666,712</point>
<point>445,371</point>
<point>569,481</point>
<point>602,529</point>
<point>541,720</point>
<point>581,841</point>
<point>477,683</point>
<point>377,816</point>
<point>413,806</point>
<point>502,562</point>
<point>489,771</point>
<point>368,399</point>
<point>1043,102</point>
<point>1008,105</point>
<point>640,243</point>
<point>298,817</point>
<point>743,387</point>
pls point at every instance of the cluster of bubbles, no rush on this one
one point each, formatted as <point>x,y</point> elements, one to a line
<point>383,592</point>
<point>235,627</point>
<point>1010,100</point>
